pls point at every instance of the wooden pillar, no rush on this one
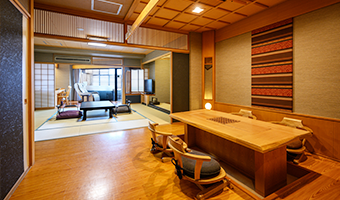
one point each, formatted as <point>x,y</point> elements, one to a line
<point>208,68</point>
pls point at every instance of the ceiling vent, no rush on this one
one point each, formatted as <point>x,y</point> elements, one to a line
<point>106,6</point>
<point>72,59</point>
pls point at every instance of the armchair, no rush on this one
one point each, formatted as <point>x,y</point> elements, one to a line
<point>296,148</point>
<point>198,168</point>
<point>82,92</point>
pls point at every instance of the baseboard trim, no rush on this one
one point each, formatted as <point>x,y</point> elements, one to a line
<point>10,193</point>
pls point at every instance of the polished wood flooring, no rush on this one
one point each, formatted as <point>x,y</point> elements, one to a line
<point>119,165</point>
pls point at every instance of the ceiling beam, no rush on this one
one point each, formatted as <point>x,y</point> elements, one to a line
<point>142,16</point>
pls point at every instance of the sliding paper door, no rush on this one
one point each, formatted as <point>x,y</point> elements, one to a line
<point>44,86</point>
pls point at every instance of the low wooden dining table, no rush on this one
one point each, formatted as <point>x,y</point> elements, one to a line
<point>255,148</point>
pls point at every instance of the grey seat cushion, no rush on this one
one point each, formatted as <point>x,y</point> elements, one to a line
<point>295,144</point>
<point>209,169</point>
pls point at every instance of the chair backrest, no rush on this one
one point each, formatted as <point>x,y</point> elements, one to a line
<point>295,123</point>
<point>68,91</point>
<point>152,128</point>
<point>80,88</point>
<point>177,144</point>
<point>245,113</point>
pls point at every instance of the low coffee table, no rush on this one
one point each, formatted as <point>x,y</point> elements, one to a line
<point>96,105</point>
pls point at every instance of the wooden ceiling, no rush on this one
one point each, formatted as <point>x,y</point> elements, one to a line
<point>174,15</point>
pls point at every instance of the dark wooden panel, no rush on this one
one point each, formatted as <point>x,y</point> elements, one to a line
<point>180,82</point>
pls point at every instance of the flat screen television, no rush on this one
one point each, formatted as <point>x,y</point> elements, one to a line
<point>149,86</point>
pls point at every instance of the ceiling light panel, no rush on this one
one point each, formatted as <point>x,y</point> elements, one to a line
<point>198,10</point>
<point>201,6</point>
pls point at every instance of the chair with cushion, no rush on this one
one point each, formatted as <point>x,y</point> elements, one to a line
<point>245,113</point>
<point>159,142</point>
<point>83,93</point>
<point>296,148</point>
<point>199,168</point>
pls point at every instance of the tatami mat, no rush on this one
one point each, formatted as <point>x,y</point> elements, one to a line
<point>98,121</point>
<point>152,114</point>
<point>62,132</point>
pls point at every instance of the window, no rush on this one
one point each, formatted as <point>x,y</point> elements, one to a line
<point>99,77</point>
<point>136,77</point>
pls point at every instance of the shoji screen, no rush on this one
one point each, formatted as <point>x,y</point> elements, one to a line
<point>44,88</point>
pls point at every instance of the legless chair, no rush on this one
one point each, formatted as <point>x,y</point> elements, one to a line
<point>245,113</point>
<point>296,148</point>
<point>160,141</point>
<point>198,168</point>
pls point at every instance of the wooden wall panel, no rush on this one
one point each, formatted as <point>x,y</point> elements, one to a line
<point>180,82</point>
<point>325,140</point>
<point>195,79</point>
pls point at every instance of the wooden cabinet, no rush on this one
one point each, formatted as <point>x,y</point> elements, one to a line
<point>146,98</point>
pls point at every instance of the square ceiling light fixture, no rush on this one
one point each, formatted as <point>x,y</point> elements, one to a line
<point>197,10</point>
<point>106,6</point>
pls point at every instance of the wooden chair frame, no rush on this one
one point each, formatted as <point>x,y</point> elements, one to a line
<point>164,148</point>
<point>179,150</point>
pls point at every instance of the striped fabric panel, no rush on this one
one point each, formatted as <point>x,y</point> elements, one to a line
<point>272,66</point>
<point>272,26</point>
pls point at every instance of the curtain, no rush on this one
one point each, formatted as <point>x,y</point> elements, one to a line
<point>75,75</point>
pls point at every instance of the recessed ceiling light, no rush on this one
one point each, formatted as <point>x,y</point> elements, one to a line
<point>80,29</point>
<point>96,44</point>
<point>197,10</point>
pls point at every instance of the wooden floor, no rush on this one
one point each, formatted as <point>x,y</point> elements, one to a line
<point>119,165</point>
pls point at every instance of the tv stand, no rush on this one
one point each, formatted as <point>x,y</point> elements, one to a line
<point>146,98</point>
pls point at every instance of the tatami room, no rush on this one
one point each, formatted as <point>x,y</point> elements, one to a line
<point>247,89</point>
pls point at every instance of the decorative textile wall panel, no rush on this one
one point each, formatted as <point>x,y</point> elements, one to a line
<point>272,66</point>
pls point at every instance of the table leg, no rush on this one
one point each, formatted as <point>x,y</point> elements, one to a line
<point>84,116</point>
<point>270,171</point>
<point>110,112</point>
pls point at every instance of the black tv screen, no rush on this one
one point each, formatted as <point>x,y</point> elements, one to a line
<point>149,86</point>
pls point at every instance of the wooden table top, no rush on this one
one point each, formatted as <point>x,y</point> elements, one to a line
<point>258,135</point>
